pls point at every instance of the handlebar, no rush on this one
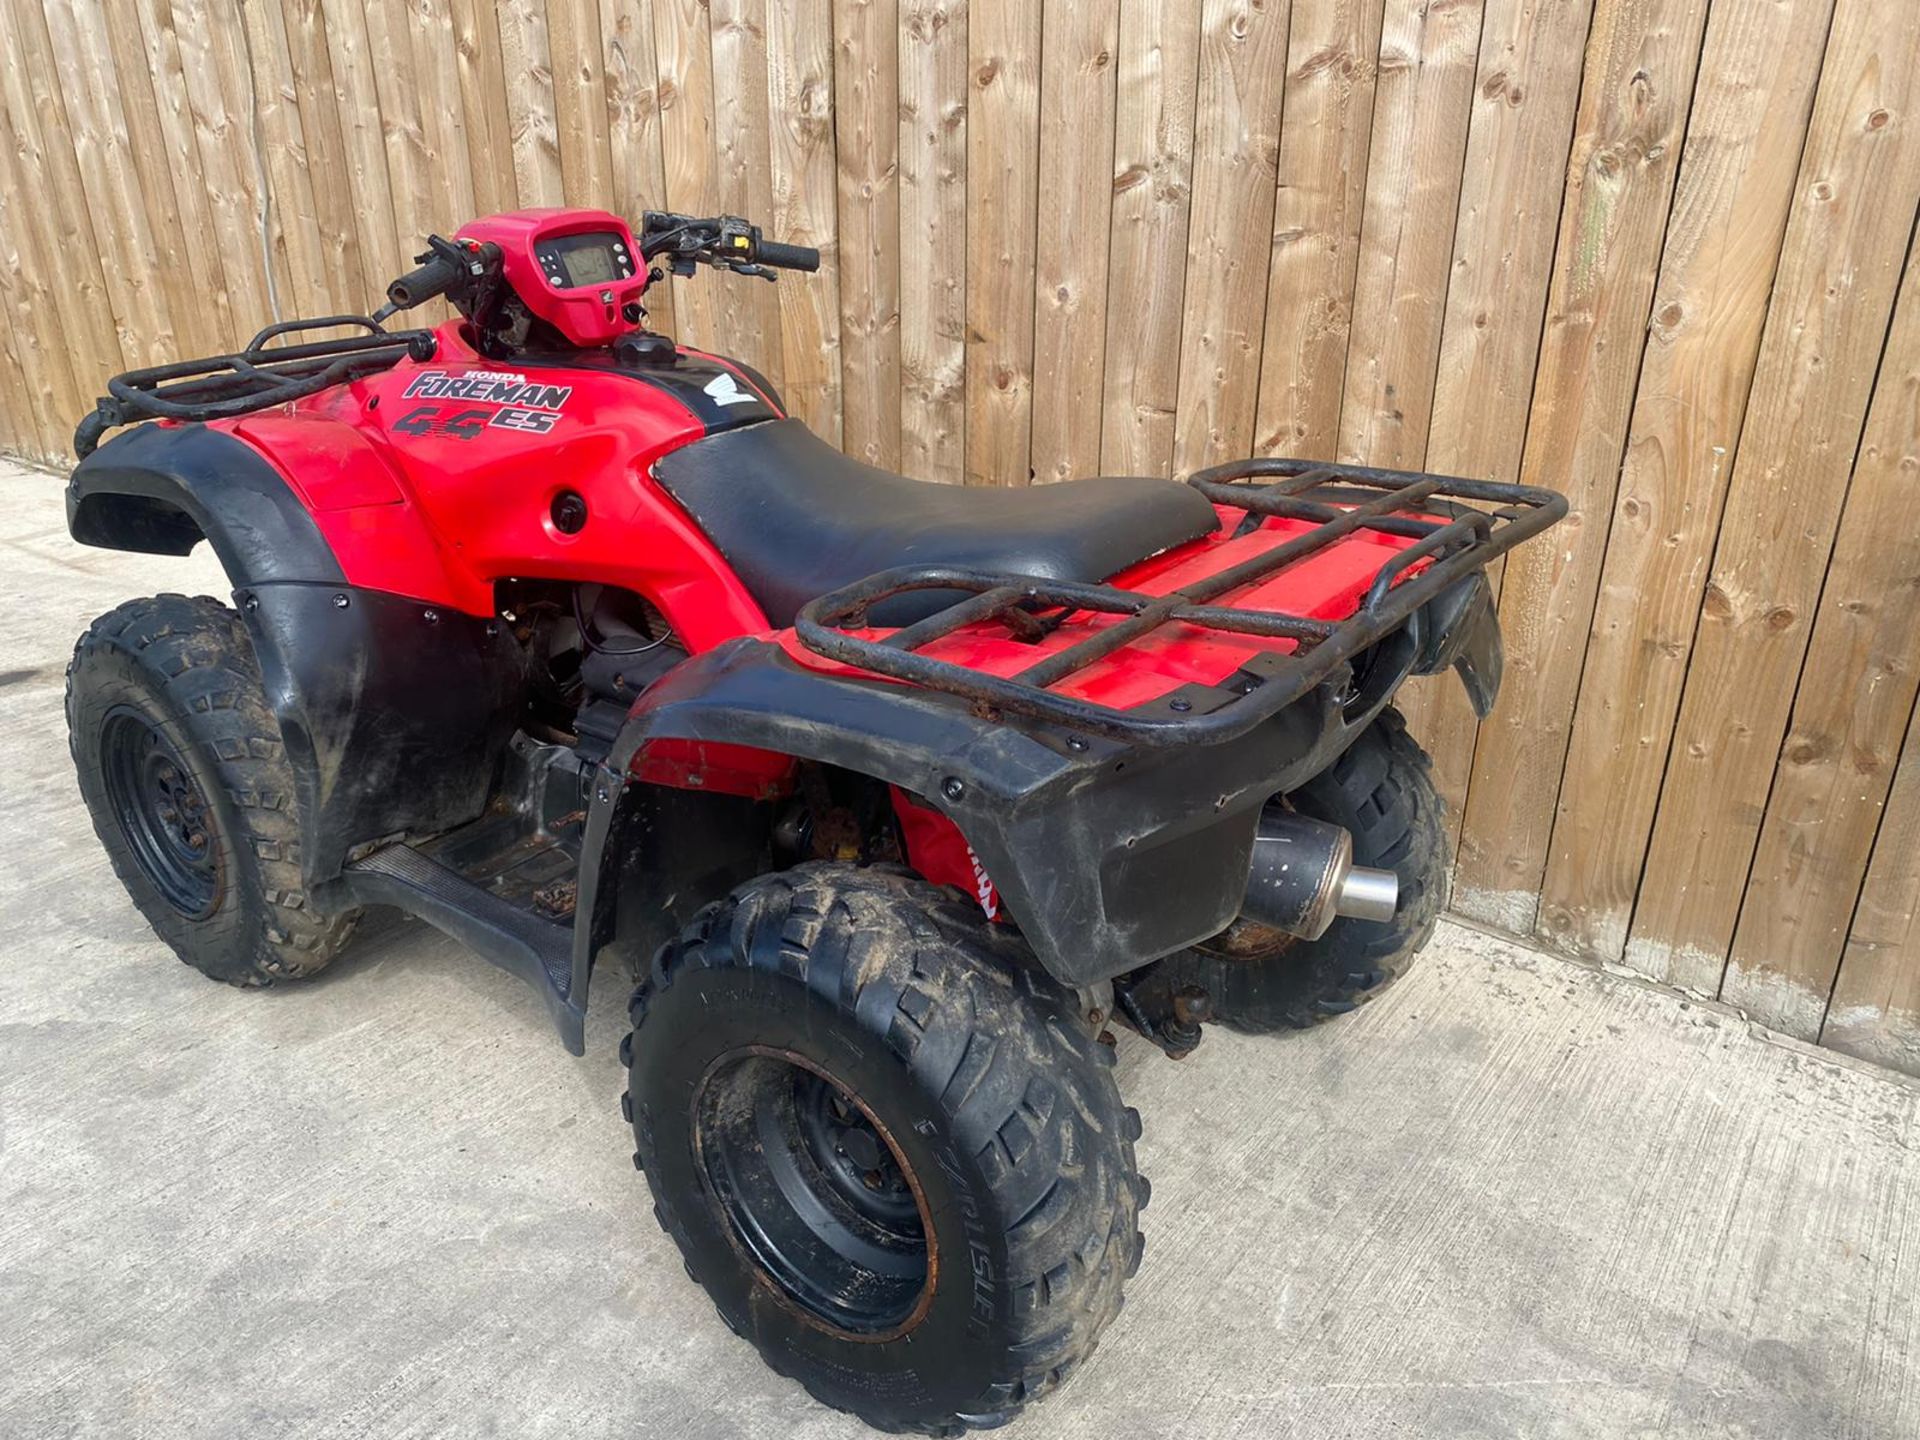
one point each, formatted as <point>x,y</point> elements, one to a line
<point>725,242</point>
<point>788,257</point>
<point>416,287</point>
<point>463,268</point>
<point>448,265</point>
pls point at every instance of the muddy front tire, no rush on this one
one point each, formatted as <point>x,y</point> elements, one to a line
<point>184,774</point>
<point>890,1151</point>
<point>1381,790</point>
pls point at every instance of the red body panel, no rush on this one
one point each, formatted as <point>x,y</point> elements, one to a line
<point>1327,585</point>
<point>428,495</point>
<point>422,491</point>
<point>937,849</point>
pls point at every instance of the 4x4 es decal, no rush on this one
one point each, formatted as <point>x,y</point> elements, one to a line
<point>507,401</point>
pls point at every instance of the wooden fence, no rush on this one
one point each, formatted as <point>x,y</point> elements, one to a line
<point>1655,253</point>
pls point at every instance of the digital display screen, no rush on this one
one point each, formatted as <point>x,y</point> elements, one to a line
<point>591,263</point>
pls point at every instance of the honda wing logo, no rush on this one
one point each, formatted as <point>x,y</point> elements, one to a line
<point>725,390</point>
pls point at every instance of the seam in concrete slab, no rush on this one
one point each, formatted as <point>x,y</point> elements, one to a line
<point>1839,1060</point>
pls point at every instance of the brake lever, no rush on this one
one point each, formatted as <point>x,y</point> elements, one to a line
<point>742,267</point>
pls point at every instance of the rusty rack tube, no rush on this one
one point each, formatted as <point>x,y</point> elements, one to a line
<point>1455,548</point>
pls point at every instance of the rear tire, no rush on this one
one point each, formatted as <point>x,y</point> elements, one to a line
<point>183,771</point>
<point>1381,790</point>
<point>887,1147</point>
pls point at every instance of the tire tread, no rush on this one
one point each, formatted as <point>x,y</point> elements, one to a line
<point>997,1061</point>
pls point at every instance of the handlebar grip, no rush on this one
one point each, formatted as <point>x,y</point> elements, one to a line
<point>436,277</point>
<point>787,257</point>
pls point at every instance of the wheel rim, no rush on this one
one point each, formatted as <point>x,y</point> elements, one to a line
<point>162,812</point>
<point>815,1193</point>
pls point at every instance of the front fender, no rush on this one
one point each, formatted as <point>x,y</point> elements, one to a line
<point>161,489</point>
<point>394,712</point>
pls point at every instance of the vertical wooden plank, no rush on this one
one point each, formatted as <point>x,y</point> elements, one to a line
<point>402,133</point>
<point>1003,167</point>
<point>356,287</point>
<point>47,386</point>
<point>1333,49</point>
<point>220,84</point>
<point>40,409</point>
<point>1875,1012</point>
<point>481,72</point>
<point>387,251</point>
<point>19,427</point>
<point>1510,194</point>
<point>1640,69</point>
<point>1422,102</point>
<point>49,198</point>
<point>1147,261</point>
<point>160,132</point>
<point>1855,697</point>
<point>633,124</point>
<point>532,113</point>
<point>280,145</point>
<point>742,140</point>
<point>868,114</point>
<point>800,98</point>
<point>1243,50</point>
<point>1077,68</point>
<point>685,57</point>
<point>933,230</point>
<point>433,41</point>
<point>414,72</point>
<point>1750,110</point>
<point>1858,190</point>
<point>89,91</point>
<point>580,101</point>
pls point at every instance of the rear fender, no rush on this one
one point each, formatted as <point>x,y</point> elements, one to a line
<point>1107,856</point>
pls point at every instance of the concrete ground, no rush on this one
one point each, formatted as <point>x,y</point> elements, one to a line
<point>1515,1197</point>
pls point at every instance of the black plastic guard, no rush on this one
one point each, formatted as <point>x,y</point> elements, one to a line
<point>1108,856</point>
<point>394,712</point>
<point>1461,628</point>
<point>161,489</point>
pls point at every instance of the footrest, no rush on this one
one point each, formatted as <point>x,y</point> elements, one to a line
<point>517,940</point>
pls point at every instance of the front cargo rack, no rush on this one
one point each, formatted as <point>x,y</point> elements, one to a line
<point>220,387</point>
<point>1340,500</point>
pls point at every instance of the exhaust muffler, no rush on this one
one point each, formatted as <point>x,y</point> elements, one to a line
<point>1303,877</point>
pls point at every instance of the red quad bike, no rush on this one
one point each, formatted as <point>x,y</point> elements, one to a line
<point>898,796</point>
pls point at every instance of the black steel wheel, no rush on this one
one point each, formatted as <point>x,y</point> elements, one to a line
<point>815,1191</point>
<point>890,1150</point>
<point>190,790</point>
<point>164,818</point>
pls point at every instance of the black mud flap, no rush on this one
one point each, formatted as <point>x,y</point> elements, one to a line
<point>1461,629</point>
<point>394,712</point>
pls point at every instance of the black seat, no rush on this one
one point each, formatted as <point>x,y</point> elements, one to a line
<point>796,519</point>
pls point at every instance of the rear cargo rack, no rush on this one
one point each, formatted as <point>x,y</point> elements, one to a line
<point>262,375</point>
<point>1340,500</point>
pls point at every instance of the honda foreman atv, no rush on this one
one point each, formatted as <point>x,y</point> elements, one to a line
<point>900,798</point>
